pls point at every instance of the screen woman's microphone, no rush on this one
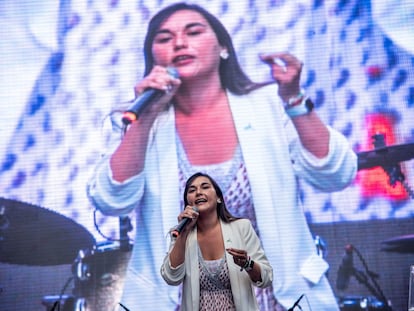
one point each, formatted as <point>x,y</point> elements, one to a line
<point>346,269</point>
<point>142,101</point>
<point>181,225</point>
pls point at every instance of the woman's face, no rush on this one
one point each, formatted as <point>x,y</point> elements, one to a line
<point>187,42</point>
<point>201,193</point>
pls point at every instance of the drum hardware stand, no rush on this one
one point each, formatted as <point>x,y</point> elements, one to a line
<point>88,272</point>
<point>393,170</point>
<point>125,226</point>
<point>81,271</point>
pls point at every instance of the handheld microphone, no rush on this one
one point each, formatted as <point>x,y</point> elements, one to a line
<point>346,269</point>
<point>184,222</point>
<point>142,101</point>
<point>296,303</point>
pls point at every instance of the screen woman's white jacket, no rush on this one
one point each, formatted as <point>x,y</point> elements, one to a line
<point>274,158</point>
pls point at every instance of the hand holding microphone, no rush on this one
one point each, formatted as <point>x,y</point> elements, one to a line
<point>160,82</point>
<point>189,214</point>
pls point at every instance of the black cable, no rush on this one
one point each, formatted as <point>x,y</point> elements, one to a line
<point>95,223</point>
<point>307,301</point>
<point>62,292</point>
<point>57,303</point>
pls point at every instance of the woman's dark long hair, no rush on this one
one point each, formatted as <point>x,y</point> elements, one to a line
<point>232,77</point>
<point>222,211</point>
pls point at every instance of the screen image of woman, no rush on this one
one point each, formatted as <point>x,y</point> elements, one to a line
<point>254,140</point>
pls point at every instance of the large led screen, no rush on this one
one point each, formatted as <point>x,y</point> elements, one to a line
<point>68,71</point>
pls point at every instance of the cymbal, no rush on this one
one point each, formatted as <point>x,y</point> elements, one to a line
<point>385,156</point>
<point>32,235</point>
<point>399,244</point>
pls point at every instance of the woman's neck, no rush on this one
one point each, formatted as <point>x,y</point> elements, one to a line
<point>196,96</point>
<point>206,224</point>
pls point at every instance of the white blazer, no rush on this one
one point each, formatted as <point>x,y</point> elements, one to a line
<point>237,234</point>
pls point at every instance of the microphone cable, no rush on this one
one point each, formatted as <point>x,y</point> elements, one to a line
<point>95,223</point>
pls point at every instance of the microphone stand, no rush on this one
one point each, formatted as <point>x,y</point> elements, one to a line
<point>123,307</point>
<point>296,304</point>
<point>56,305</point>
<point>125,226</point>
<point>363,279</point>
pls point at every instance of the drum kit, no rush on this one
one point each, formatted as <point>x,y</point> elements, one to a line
<point>36,236</point>
<point>389,158</point>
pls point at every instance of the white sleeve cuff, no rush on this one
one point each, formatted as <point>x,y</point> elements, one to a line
<point>112,197</point>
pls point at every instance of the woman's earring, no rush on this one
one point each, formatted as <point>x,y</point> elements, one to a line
<point>218,201</point>
<point>224,54</point>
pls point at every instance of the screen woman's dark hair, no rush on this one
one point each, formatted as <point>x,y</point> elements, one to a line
<point>222,211</point>
<point>232,76</point>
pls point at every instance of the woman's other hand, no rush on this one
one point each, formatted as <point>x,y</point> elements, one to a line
<point>285,70</point>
